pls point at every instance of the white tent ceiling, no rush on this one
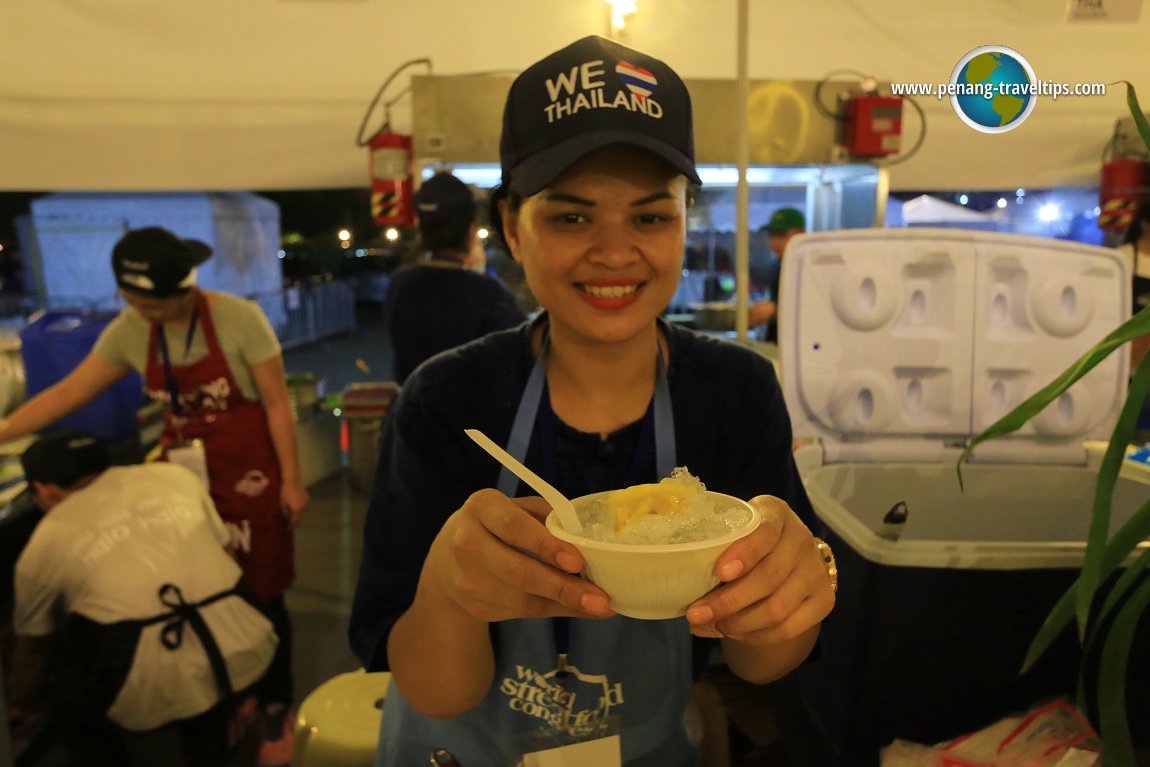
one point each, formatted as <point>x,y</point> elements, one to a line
<point>268,94</point>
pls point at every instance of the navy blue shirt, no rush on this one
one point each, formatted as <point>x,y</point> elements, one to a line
<point>430,309</point>
<point>731,430</point>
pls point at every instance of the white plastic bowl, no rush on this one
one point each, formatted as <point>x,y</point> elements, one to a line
<point>653,581</point>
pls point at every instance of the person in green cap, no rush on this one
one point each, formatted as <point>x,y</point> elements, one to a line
<point>784,224</point>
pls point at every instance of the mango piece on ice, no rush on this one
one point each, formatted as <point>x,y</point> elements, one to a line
<point>630,503</point>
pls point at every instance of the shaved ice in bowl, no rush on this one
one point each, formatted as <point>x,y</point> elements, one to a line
<point>653,547</point>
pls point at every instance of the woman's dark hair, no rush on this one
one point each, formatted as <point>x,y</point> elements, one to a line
<point>1138,226</point>
<point>514,202</point>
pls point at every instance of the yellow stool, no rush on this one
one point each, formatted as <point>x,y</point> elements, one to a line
<point>338,723</point>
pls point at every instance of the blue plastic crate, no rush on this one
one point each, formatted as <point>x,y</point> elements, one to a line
<point>52,345</point>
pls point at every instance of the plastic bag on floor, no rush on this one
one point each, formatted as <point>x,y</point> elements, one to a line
<point>1053,735</point>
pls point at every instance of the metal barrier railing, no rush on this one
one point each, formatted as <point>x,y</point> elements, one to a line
<point>310,311</point>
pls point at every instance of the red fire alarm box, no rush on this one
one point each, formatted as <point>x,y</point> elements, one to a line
<point>872,125</point>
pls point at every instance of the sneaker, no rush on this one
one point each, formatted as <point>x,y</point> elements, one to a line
<point>278,745</point>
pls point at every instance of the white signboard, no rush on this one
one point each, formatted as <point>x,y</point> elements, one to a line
<point>1103,10</point>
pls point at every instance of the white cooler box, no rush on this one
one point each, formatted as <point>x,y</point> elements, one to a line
<point>897,346</point>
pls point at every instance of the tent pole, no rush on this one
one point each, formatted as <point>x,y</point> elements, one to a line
<point>742,239</point>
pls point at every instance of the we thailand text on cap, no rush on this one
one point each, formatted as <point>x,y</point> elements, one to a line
<point>65,457</point>
<point>157,262</point>
<point>592,94</point>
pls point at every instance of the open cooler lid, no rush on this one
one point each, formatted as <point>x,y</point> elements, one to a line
<point>899,343</point>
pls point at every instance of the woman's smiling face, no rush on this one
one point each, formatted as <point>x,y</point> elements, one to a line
<point>602,246</point>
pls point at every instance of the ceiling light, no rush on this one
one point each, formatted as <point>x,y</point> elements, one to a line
<point>620,10</point>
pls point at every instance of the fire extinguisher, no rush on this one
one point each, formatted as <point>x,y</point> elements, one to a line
<point>390,163</point>
<point>1125,181</point>
<point>392,185</point>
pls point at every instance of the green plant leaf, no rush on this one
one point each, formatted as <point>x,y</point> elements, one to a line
<point>1136,529</point>
<point>1136,326</point>
<point>1114,597</point>
<point>1117,748</point>
<point>1136,113</point>
<point>1123,433</point>
<point>1102,556</point>
<point>1115,452</point>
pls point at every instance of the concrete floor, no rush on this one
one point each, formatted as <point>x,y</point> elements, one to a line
<point>328,541</point>
<point>327,564</point>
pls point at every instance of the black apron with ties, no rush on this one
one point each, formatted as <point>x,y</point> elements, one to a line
<point>97,657</point>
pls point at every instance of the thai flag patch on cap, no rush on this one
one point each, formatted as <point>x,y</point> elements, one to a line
<point>638,80</point>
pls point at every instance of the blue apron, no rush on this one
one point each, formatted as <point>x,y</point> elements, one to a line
<point>563,677</point>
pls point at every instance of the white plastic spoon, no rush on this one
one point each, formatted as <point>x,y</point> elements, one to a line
<point>563,507</point>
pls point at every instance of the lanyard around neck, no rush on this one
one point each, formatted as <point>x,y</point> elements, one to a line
<point>169,376</point>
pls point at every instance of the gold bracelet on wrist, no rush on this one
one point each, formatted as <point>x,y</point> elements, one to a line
<point>828,556</point>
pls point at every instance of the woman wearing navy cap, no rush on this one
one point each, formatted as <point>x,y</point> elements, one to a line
<point>498,651</point>
<point>213,359</point>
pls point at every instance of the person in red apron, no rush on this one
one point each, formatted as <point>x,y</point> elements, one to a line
<point>205,405</point>
<point>243,447</point>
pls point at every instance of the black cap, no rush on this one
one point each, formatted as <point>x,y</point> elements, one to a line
<point>592,94</point>
<point>65,457</point>
<point>157,262</point>
<point>444,197</point>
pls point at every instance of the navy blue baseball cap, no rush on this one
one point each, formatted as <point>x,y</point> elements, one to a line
<point>444,197</point>
<point>592,94</point>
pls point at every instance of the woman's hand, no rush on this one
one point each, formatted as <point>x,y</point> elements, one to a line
<point>293,498</point>
<point>761,312</point>
<point>492,560</point>
<point>495,560</point>
<point>775,589</point>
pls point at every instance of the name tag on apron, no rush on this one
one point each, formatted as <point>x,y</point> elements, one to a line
<point>604,752</point>
<point>191,456</point>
